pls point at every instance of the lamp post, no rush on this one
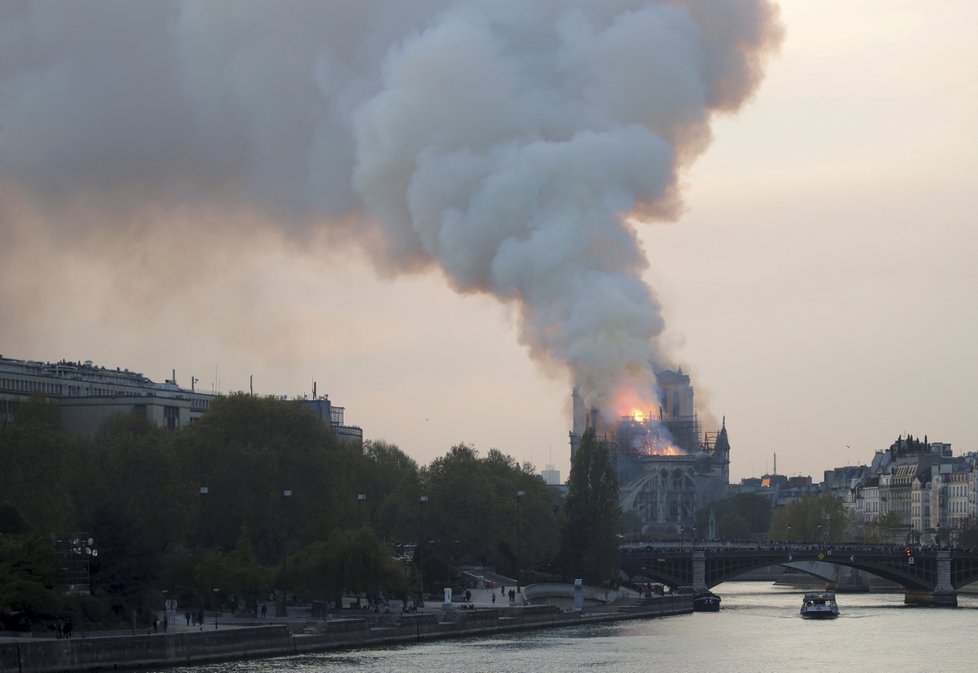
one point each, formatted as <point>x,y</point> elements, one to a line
<point>422,500</point>
<point>519,497</point>
<point>200,524</point>
<point>286,494</point>
<point>92,553</point>
<point>361,497</point>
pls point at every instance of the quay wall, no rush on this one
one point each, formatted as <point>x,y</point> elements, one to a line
<point>192,647</point>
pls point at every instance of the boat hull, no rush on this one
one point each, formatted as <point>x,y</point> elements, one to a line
<point>819,615</point>
<point>706,603</point>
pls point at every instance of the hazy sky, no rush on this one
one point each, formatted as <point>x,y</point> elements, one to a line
<point>819,282</point>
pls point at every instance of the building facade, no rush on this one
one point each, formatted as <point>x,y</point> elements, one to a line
<point>922,491</point>
<point>89,395</point>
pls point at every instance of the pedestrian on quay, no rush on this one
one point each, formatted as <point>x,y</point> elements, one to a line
<point>187,615</point>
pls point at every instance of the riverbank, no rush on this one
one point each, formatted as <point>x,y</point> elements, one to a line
<point>226,642</point>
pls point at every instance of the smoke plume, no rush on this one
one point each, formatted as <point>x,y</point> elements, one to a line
<point>505,143</point>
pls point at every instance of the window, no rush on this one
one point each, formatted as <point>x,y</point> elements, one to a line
<point>171,417</point>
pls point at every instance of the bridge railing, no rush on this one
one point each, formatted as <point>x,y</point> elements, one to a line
<point>802,547</point>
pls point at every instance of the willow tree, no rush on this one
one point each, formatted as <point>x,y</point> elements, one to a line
<point>590,548</point>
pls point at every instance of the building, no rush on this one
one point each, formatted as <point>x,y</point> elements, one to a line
<point>332,416</point>
<point>925,493</point>
<point>89,395</point>
<point>551,476</point>
<point>666,470</point>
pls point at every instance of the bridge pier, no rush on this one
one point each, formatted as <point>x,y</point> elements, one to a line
<point>931,599</point>
<point>699,571</point>
<point>943,594</point>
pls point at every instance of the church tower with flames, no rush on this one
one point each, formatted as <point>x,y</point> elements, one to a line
<point>667,471</point>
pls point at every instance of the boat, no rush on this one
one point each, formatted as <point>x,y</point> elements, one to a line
<point>819,605</point>
<point>706,602</point>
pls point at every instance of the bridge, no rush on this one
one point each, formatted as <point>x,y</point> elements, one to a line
<point>929,576</point>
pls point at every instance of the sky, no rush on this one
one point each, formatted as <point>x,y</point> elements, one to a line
<point>818,278</point>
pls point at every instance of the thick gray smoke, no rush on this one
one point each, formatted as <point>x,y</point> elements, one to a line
<point>504,141</point>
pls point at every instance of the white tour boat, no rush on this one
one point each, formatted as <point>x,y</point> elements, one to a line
<point>819,605</point>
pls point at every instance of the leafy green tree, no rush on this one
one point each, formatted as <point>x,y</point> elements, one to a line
<point>314,572</point>
<point>473,512</point>
<point>35,461</point>
<point>884,528</point>
<point>390,482</point>
<point>30,580</point>
<point>123,483</point>
<point>366,565</point>
<point>590,541</point>
<point>732,526</point>
<point>248,451</point>
<point>247,579</point>
<point>813,518</point>
<point>12,521</point>
<point>754,510</point>
<point>462,519</point>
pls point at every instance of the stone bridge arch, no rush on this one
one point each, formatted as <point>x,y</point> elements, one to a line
<point>927,576</point>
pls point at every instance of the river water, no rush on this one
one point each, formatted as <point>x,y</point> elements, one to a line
<point>757,630</point>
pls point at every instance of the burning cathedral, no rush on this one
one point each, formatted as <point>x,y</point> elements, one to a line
<point>666,470</point>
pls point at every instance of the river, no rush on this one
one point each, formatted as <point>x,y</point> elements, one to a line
<point>757,630</point>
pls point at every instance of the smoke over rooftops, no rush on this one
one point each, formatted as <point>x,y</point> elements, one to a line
<point>503,142</point>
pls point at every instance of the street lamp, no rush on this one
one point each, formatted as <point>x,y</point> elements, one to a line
<point>92,553</point>
<point>200,524</point>
<point>519,496</point>
<point>286,494</point>
<point>422,500</point>
<point>361,497</point>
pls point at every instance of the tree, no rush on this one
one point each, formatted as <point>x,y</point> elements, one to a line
<point>752,509</point>
<point>35,464</point>
<point>732,526</point>
<point>813,518</point>
<point>29,580</point>
<point>590,538</point>
<point>389,479</point>
<point>247,578</point>
<point>883,528</point>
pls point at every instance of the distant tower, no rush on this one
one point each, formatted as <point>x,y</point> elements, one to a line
<point>677,394</point>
